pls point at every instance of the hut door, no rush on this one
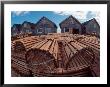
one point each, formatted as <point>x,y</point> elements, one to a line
<point>75,31</point>
<point>49,30</point>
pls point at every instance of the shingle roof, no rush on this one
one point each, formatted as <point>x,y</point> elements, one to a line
<point>85,23</point>
<point>18,26</point>
<point>47,20</point>
<point>31,24</point>
<point>68,18</point>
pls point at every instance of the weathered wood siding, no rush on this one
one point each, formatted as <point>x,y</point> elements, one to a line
<point>92,26</point>
<point>45,26</point>
<point>70,23</point>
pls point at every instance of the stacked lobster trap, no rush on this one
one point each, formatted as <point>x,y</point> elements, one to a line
<point>56,55</point>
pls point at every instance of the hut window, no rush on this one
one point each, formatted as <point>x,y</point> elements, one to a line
<point>71,22</point>
<point>48,30</point>
<point>14,28</point>
<point>25,25</point>
<point>27,31</point>
<point>21,32</point>
<point>40,30</point>
<point>14,34</point>
<point>94,25</point>
<point>44,21</point>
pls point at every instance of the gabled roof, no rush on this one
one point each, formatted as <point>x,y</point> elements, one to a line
<point>17,25</point>
<point>85,23</point>
<point>28,23</point>
<point>44,18</point>
<point>68,18</point>
<point>31,24</point>
<point>25,22</point>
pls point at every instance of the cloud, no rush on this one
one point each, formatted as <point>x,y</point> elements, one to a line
<point>82,16</point>
<point>93,14</point>
<point>19,13</point>
<point>78,14</point>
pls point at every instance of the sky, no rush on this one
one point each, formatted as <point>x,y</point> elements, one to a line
<point>18,17</point>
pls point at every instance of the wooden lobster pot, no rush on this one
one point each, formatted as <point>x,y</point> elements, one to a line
<point>25,44</point>
<point>19,47</point>
<point>82,59</point>
<point>40,61</point>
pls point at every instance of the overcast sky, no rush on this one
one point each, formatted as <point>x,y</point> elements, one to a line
<point>18,17</point>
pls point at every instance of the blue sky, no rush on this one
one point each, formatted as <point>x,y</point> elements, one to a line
<point>18,17</point>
